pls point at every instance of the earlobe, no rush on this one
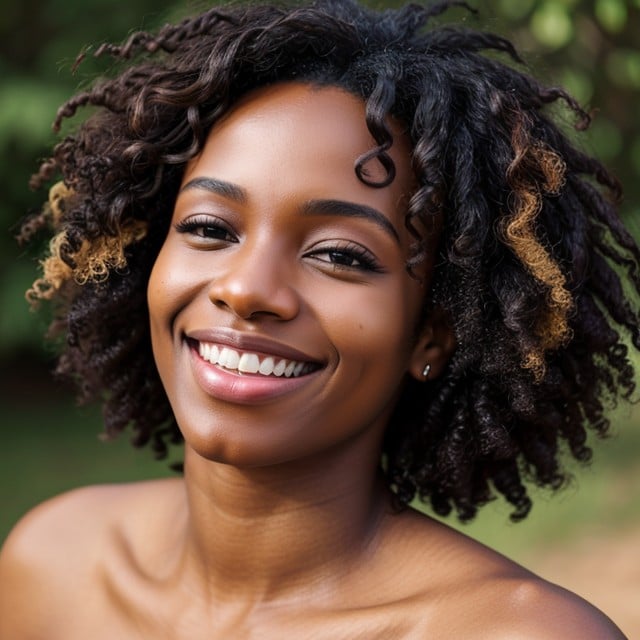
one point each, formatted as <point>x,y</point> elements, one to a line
<point>434,347</point>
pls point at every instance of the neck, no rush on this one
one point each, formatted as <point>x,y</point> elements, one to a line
<point>265,533</point>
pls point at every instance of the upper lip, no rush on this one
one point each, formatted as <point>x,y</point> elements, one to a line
<point>249,342</point>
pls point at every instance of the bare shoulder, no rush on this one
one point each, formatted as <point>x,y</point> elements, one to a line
<point>57,551</point>
<point>532,608</point>
<point>470,591</point>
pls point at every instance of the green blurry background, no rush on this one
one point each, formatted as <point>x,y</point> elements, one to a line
<point>590,46</point>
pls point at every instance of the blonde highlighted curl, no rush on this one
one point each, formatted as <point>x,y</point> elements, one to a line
<point>91,262</point>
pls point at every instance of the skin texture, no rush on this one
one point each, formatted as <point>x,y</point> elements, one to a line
<point>281,527</point>
<point>274,278</point>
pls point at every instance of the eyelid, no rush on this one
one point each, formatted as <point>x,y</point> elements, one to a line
<point>202,219</point>
<point>191,203</point>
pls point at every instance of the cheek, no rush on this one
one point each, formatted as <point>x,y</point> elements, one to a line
<point>172,284</point>
<point>375,327</point>
<point>372,334</point>
<point>168,291</point>
<point>158,302</point>
<point>159,293</point>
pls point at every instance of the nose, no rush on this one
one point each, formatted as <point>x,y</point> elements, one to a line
<point>256,282</point>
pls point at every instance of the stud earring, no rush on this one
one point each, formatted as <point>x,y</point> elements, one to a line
<point>426,370</point>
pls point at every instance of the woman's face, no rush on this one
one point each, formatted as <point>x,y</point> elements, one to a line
<point>282,316</point>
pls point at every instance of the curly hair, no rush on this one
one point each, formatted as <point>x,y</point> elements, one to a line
<point>535,270</point>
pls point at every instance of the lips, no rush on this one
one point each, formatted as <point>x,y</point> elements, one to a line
<point>243,368</point>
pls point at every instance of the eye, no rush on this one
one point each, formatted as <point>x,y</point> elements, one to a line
<point>206,229</point>
<point>347,256</point>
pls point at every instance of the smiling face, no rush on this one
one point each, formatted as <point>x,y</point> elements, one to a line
<point>282,316</point>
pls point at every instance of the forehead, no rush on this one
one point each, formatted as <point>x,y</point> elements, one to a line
<point>299,133</point>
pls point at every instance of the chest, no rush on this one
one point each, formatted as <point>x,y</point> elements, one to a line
<point>137,616</point>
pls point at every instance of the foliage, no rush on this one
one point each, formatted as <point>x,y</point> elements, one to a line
<point>39,41</point>
<point>589,46</point>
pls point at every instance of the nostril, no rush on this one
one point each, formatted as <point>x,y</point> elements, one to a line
<point>248,296</point>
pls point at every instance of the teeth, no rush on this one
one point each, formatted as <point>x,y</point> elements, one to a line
<point>266,366</point>
<point>250,362</point>
<point>232,358</point>
<point>278,370</point>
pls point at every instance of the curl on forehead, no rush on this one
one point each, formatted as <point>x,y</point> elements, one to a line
<point>328,101</point>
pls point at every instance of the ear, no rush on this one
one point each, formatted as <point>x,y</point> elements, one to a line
<point>434,346</point>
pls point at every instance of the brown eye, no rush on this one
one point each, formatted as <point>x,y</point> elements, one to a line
<point>343,258</point>
<point>207,228</point>
<point>348,256</point>
<point>212,231</point>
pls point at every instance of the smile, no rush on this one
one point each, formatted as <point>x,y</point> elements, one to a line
<point>253,363</point>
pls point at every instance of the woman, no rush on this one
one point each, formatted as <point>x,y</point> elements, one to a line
<point>349,262</point>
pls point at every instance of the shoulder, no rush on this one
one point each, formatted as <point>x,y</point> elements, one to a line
<point>56,540</point>
<point>58,550</point>
<point>471,591</point>
<point>532,608</point>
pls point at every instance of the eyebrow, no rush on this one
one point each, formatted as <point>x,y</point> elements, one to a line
<point>351,210</point>
<point>326,207</point>
<point>220,187</point>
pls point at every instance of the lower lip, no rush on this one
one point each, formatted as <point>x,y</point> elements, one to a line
<point>242,388</point>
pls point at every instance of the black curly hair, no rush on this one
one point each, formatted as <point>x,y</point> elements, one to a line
<point>535,270</point>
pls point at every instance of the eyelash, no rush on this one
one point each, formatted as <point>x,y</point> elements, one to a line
<point>352,251</point>
<point>198,225</point>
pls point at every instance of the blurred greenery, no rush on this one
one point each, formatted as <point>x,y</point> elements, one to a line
<point>590,46</point>
<point>39,41</point>
<point>57,448</point>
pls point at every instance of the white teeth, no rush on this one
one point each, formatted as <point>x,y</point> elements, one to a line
<point>233,359</point>
<point>250,362</point>
<point>229,359</point>
<point>266,366</point>
<point>278,370</point>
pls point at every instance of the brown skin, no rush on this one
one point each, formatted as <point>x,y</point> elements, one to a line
<point>281,527</point>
